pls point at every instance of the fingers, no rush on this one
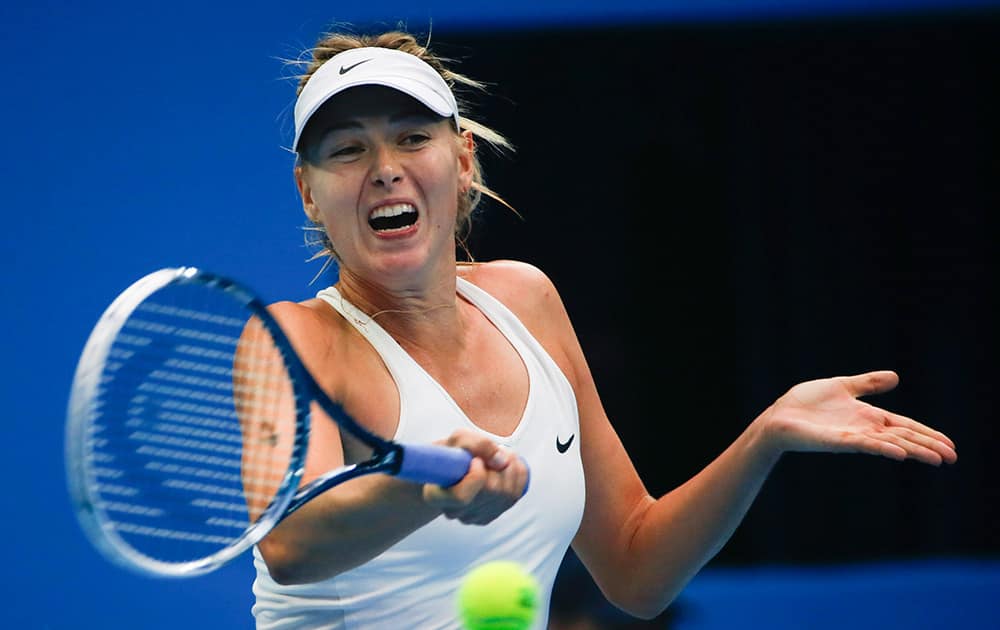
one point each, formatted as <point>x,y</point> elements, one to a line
<point>495,456</point>
<point>482,495</point>
<point>910,448</point>
<point>460,494</point>
<point>920,441</point>
<point>870,383</point>
<point>899,443</point>
<point>875,446</point>
<point>495,481</point>
<point>902,421</point>
<point>923,447</point>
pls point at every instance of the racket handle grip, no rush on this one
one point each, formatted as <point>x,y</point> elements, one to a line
<point>441,465</point>
<point>429,463</point>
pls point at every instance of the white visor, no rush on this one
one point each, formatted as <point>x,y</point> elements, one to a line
<point>374,66</point>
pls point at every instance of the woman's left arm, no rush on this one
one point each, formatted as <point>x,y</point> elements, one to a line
<point>642,551</point>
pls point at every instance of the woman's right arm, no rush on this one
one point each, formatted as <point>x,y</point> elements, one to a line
<point>351,524</point>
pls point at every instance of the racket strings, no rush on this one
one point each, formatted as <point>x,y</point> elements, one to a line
<point>193,426</point>
<point>192,373</point>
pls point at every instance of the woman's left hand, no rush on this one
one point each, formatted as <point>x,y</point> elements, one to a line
<point>826,415</point>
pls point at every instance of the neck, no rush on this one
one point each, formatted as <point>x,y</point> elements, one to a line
<point>417,318</point>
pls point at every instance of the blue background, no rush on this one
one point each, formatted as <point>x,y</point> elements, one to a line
<point>143,135</point>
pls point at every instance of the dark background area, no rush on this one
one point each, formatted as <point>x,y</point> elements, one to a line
<point>731,209</point>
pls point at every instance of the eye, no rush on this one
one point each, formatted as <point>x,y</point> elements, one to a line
<point>344,151</point>
<point>415,139</point>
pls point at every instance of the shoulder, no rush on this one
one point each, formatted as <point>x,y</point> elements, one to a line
<point>295,316</point>
<point>503,270</point>
<point>522,287</point>
<point>311,326</point>
<point>531,295</point>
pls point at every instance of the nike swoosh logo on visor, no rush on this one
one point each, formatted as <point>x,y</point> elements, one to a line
<point>346,69</point>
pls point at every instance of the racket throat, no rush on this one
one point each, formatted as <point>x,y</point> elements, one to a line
<point>391,458</point>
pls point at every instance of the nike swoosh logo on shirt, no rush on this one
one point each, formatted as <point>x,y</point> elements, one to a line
<point>563,447</point>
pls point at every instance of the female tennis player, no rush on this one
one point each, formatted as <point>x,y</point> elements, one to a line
<point>420,347</point>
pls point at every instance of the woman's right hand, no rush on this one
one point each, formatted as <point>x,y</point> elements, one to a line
<point>496,480</point>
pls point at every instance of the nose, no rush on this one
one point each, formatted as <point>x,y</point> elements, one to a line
<point>386,170</point>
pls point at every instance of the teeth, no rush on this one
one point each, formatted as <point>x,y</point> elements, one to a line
<point>392,211</point>
<point>392,217</point>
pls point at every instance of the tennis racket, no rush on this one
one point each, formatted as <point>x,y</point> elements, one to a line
<point>188,425</point>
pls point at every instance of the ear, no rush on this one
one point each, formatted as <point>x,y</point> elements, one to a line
<point>305,191</point>
<point>466,160</point>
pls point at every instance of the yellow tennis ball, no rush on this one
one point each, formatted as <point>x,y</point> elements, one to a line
<point>498,595</point>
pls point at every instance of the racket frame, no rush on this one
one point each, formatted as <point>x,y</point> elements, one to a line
<point>388,457</point>
<point>82,481</point>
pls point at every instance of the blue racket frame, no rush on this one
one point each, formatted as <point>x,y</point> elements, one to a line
<point>420,463</point>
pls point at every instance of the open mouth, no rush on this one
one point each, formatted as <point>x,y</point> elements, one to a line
<point>394,217</point>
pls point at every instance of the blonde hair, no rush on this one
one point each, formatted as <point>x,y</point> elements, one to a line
<point>330,44</point>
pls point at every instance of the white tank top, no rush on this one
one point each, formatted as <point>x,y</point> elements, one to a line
<point>414,583</point>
